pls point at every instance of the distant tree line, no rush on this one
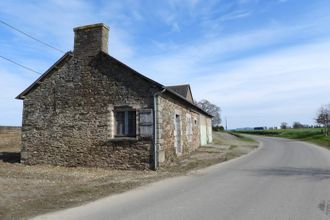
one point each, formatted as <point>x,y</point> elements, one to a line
<point>322,120</point>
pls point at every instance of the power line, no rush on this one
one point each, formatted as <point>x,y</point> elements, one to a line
<point>30,36</point>
<point>21,65</point>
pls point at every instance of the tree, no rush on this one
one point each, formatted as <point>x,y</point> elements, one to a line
<point>323,118</point>
<point>218,128</point>
<point>212,109</point>
<point>297,124</point>
<point>284,125</point>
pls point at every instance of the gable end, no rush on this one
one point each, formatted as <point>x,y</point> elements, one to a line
<point>46,74</point>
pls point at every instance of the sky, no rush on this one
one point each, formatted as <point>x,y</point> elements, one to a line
<point>262,61</point>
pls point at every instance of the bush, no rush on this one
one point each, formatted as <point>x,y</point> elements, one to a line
<point>218,128</point>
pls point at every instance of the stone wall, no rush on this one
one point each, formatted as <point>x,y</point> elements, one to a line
<point>67,119</point>
<point>167,109</point>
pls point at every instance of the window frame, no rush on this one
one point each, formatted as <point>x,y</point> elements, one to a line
<point>126,132</point>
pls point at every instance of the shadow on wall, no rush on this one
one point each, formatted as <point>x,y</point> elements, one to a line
<point>314,173</point>
<point>10,157</point>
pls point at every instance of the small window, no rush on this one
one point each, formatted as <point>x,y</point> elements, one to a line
<point>125,123</point>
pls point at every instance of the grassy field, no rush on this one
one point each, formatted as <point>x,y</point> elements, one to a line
<point>313,135</point>
<point>10,138</point>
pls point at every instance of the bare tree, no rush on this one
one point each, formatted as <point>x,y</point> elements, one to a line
<point>284,125</point>
<point>212,109</point>
<point>323,118</point>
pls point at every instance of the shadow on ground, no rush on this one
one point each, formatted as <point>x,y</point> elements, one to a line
<point>315,173</point>
<point>10,157</point>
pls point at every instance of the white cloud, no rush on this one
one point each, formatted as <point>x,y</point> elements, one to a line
<point>176,64</point>
<point>234,15</point>
<point>53,22</point>
<point>289,84</point>
<point>284,84</point>
<point>231,69</point>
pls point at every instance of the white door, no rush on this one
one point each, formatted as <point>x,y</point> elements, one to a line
<point>203,130</point>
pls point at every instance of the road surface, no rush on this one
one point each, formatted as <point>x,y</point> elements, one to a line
<point>283,179</point>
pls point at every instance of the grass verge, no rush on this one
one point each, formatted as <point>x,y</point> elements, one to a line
<point>313,135</point>
<point>242,137</point>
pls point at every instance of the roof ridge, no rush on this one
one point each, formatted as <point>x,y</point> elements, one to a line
<point>179,85</point>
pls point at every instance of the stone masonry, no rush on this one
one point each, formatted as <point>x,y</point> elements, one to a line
<point>68,115</point>
<point>168,108</point>
<point>66,119</point>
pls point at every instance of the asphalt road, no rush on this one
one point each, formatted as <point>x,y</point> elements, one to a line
<point>283,179</point>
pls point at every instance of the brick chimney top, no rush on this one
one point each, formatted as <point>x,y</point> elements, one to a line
<point>90,40</point>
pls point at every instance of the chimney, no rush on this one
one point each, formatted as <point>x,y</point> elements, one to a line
<point>90,40</point>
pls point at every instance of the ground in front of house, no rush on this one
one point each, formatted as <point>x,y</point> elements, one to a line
<point>31,190</point>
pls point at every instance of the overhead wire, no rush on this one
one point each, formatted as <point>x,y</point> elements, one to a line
<point>21,65</point>
<point>30,36</point>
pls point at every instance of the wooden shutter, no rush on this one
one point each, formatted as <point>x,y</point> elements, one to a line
<point>146,122</point>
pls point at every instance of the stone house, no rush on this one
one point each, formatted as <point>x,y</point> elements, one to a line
<point>89,109</point>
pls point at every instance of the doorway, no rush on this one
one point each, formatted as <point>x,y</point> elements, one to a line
<point>177,133</point>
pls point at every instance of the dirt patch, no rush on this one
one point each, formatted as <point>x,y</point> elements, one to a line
<point>32,190</point>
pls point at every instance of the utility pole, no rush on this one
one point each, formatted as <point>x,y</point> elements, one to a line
<point>226,123</point>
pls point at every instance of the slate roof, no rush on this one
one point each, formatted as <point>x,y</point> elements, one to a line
<point>183,90</point>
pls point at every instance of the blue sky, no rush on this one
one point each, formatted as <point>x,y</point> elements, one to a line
<point>262,61</point>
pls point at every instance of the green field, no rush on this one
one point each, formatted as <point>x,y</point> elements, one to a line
<point>313,135</point>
